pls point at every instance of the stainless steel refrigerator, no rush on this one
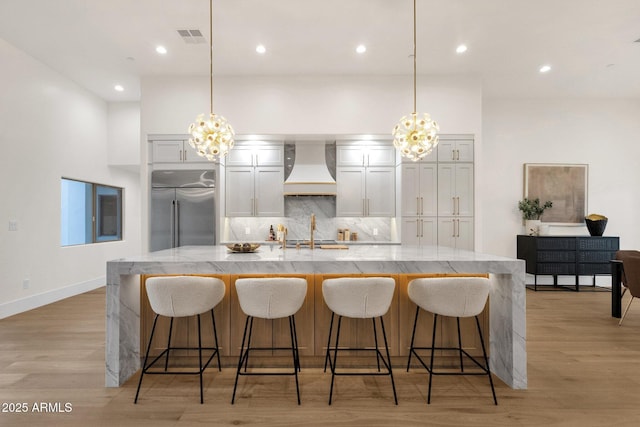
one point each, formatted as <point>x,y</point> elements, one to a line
<point>182,209</point>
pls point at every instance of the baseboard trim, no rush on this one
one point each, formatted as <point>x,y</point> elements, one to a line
<point>34,301</point>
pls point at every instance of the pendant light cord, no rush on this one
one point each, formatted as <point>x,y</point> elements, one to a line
<point>414,56</point>
<point>211,55</point>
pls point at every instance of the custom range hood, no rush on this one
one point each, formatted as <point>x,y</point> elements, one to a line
<point>310,175</point>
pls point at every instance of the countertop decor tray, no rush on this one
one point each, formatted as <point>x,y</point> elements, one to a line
<point>243,248</point>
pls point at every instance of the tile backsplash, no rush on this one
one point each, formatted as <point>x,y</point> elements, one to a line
<point>298,210</point>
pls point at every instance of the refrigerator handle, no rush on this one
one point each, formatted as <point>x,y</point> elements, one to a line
<point>173,223</point>
<point>177,223</point>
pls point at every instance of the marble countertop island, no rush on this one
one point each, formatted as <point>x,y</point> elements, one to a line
<point>507,298</point>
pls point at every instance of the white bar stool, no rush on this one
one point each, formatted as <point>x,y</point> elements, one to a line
<point>360,298</point>
<point>182,296</point>
<point>269,298</point>
<point>454,297</point>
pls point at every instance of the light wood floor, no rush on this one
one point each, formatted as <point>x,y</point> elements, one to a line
<point>584,370</point>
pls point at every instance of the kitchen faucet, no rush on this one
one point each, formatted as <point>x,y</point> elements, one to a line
<point>312,229</point>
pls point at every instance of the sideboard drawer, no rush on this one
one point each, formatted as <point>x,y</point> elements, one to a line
<point>556,243</point>
<point>556,256</point>
<point>556,268</point>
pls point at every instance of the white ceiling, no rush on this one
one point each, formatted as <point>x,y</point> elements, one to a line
<point>591,44</point>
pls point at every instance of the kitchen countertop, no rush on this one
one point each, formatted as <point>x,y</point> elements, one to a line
<point>507,298</point>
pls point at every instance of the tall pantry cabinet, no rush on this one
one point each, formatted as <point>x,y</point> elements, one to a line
<point>437,196</point>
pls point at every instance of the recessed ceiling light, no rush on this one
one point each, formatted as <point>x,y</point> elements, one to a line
<point>261,49</point>
<point>161,50</point>
<point>461,49</point>
<point>545,68</point>
<point>119,88</point>
<point>361,48</point>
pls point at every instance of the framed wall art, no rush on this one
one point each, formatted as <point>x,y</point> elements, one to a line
<point>564,184</point>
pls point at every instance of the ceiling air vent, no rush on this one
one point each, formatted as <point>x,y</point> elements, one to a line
<point>192,36</point>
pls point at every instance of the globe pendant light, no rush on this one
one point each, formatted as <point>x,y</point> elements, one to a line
<point>416,135</point>
<point>212,136</point>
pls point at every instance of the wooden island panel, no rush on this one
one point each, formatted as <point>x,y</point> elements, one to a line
<point>312,323</point>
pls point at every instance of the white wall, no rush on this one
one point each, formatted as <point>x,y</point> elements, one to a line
<point>310,104</point>
<point>123,134</point>
<point>603,133</point>
<point>51,128</point>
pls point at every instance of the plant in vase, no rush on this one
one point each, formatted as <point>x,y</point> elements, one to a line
<point>532,210</point>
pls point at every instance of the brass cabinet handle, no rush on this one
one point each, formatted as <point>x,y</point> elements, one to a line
<point>421,205</point>
<point>417,205</point>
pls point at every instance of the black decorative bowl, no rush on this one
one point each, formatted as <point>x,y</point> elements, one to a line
<point>596,227</point>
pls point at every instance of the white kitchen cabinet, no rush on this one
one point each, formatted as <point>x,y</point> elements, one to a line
<point>255,180</point>
<point>176,151</point>
<point>370,155</point>
<point>254,191</point>
<point>455,151</point>
<point>365,191</point>
<point>256,155</point>
<point>419,230</point>
<point>456,232</point>
<point>419,189</point>
<point>455,189</point>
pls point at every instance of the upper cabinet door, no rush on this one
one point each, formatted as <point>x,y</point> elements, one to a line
<point>190,155</point>
<point>272,155</point>
<point>349,156</point>
<point>167,151</point>
<point>360,155</point>
<point>256,155</point>
<point>239,198</point>
<point>350,200</point>
<point>380,156</point>
<point>455,151</point>
<point>269,199</point>
<point>240,156</point>
<point>381,192</point>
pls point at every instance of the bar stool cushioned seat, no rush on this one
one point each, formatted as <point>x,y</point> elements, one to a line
<point>360,298</point>
<point>269,298</point>
<point>182,296</point>
<point>454,297</point>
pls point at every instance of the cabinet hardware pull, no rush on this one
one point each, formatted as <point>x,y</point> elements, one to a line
<point>368,206</point>
<point>421,205</point>
<point>453,221</point>
<point>453,199</point>
<point>185,155</point>
<point>180,155</point>
<point>417,228</point>
<point>417,205</point>
<point>457,154</point>
<point>457,205</point>
<point>421,228</point>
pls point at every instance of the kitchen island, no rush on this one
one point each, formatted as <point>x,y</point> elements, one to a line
<point>507,317</point>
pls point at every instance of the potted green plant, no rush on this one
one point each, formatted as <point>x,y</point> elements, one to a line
<point>532,210</point>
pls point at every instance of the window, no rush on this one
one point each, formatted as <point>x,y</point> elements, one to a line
<point>90,213</point>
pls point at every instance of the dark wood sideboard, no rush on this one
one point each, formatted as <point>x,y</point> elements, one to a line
<point>567,256</point>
